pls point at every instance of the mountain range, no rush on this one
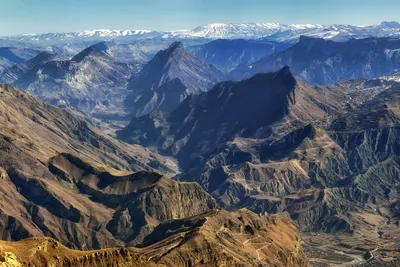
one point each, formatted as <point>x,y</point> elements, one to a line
<point>227,145</point>
<point>327,155</point>
<point>271,31</point>
<point>14,55</point>
<point>229,54</point>
<point>78,198</point>
<point>325,62</point>
<point>90,81</point>
<point>169,78</point>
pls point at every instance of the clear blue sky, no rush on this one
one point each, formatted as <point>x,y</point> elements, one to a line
<point>40,16</point>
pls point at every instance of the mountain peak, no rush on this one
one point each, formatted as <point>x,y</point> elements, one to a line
<point>285,71</point>
<point>99,49</point>
<point>175,47</point>
<point>310,40</point>
<point>390,25</point>
<point>174,62</point>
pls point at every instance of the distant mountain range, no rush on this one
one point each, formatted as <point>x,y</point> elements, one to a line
<point>271,31</point>
<point>325,62</point>
<point>14,55</point>
<point>228,54</point>
<point>90,81</point>
<point>169,78</point>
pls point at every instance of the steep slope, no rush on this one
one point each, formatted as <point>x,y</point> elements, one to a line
<point>327,155</point>
<point>214,238</point>
<point>128,53</point>
<point>42,131</point>
<point>221,238</point>
<point>216,116</point>
<point>91,82</point>
<point>10,56</point>
<point>228,54</point>
<point>17,71</point>
<point>167,66</point>
<point>324,62</point>
<point>48,252</point>
<point>84,206</point>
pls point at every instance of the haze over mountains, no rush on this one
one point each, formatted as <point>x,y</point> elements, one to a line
<point>169,78</point>
<point>228,145</point>
<point>324,62</point>
<point>274,32</point>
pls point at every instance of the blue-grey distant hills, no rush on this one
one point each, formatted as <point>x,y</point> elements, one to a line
<point>227,54</point>
<point>323,62</point>
<point>169,78</point>
<point>9,56</point>
<point>91,81</point>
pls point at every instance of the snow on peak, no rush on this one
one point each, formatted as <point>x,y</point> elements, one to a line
<point>390,25</point>
<point>271,31</point>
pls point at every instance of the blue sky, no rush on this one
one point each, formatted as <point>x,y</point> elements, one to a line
<point>40,16</point>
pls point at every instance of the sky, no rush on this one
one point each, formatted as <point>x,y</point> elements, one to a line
<point>42,16</point>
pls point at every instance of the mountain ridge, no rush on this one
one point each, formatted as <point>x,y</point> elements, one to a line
<point>274,31</point>
<point>325,62</point>
<point>168,78</point>
<point>324,154</point>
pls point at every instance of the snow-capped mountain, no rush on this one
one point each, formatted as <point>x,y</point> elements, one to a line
<point>92,35</point>
<point>242,30</point>
<point>271,31</point>
<point>291,33</point>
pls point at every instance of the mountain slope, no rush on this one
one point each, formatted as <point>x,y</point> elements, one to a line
<point>219,238</point>
<point>48,252</point>
<point>32,65</point>
<point>325,62</point>
<point>228,54</point>
<point>43,131</point>
<point>165,68</point>
<point>84,206</point>
<point>215,238</point>
<point>10,56</point>
<point>327,155</point>
<point>216,114</point>
<point>91,82</point>
<point>83,202</point>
